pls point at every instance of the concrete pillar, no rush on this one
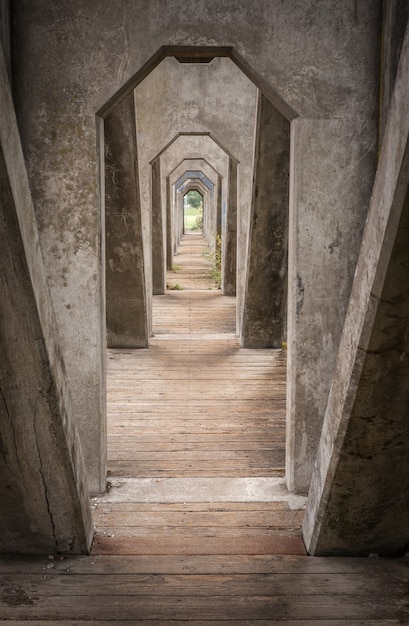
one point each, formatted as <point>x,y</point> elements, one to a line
<point>266,285</point>
<point>229,243</point>
<point>126,309</point>
<point>43,485</point>
<point>325,232</point>
<point>358,501</point>
<point>158,232</point>
<point>170,227</point>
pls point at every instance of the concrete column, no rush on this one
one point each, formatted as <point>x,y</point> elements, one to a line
<point>358,501</point>
<point>126,311</point>
<point>229,242</point>
<point>169,227</point>
<point>266,284</point>
<point>158,232</point>
<point>219,207</point>
<point>43,484</point>
<point>331,174</point>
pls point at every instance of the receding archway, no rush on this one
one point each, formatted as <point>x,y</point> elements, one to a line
<point>231,177</point>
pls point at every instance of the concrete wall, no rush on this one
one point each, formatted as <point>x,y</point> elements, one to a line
<point>318,64</point>
<point>358,495</point>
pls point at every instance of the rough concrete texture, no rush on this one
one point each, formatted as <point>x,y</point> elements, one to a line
<point>265,305</point>
<point>126,309</point>
<point>358,496</point>
<point>325,227</point>
<point>43,486</point>
<point>88,51</point>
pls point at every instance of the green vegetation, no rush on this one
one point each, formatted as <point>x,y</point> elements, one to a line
<point>175,287</point>
<point>216,261</point>
<point>193,211</point>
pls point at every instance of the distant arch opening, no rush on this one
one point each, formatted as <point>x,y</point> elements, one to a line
<point>193,212</point>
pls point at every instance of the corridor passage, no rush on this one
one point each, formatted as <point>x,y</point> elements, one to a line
<point>196,431</point>
<point>197,527</point>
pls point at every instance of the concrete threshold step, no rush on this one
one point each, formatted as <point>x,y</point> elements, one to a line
<point>174,490</point>
<point>195,335</point>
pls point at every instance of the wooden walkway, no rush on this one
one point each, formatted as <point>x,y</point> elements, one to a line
<point>197,527</point>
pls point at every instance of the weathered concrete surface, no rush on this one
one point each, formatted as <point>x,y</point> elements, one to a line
<point>265,305</point>
<point>325,227</point>
<point>203,490</point>
<point>43,487</point>
<point>88,51</point>
<point>358,500</point>
<point>126,308</point>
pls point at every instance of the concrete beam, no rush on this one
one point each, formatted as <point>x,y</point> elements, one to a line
<point>358,497</point>
<point>43,484</point>
<point>265,303</point>
<point>126,310</point>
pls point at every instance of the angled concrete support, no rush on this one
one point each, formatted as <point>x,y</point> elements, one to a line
<point>126,309</point>
<point>158,232</point>
<point>44,497</point>
<point>358,501</point>
<point>266,292</point>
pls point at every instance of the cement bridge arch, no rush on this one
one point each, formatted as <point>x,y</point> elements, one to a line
<point>302,425</point>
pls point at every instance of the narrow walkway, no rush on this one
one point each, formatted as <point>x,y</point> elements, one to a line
<point>197,528</point>
<point>195,421</point>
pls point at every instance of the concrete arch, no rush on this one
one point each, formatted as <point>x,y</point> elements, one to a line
<point>197,53</point>
<point>194,184</point>
<point>187,145</point>
<point>333,153</point>
<point>299,322</point>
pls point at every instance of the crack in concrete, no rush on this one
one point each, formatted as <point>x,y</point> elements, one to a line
<point>40,395</point>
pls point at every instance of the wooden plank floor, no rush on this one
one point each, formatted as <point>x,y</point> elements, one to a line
<point>193,423</point>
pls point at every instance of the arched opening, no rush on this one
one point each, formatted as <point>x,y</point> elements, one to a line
<point>238,223</point>
<point>193,212</point>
